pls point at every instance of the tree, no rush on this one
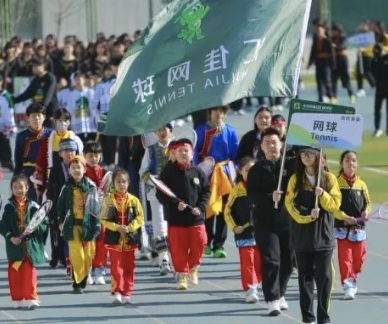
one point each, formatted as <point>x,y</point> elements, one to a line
<point>63,9</point>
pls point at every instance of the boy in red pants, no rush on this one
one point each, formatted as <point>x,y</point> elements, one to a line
<point>186,225</point>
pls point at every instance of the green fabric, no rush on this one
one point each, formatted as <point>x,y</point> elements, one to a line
<point>90,224</point>
<point>34,242</point>
<point>200,54</point>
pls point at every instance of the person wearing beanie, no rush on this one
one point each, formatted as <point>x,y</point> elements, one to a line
<point>59,175</point>
<point>185,216</point>
<point>154,160</point>
<point>79,228</point>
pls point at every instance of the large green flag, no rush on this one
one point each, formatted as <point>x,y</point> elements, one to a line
<point>198,54</point>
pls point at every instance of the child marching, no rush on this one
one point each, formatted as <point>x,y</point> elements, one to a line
<point>217,141</point>
<point>23,256</point>
<point>92,153</point>
<point>79,228</point>
<point>350,223</point>
<point>122,216</point>
<point>238,218</point>
<point>154,160</point>
<point>186,229</point>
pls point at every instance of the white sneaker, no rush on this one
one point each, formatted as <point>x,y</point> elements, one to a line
<point>18,304</point>
<point>350,293</point>
<point>46,256</point>
<point>165,268</point>
<point>126,299</point>
<point>378,133</point>
<point>283,303</point>
<point>32,304</point>
<point>252,295</point>
<point>193,276</point>
<point>274,308</point>
<point>99,280</point>
<point>118,299</point>
<point>361,93</point>
<point>90,281</point>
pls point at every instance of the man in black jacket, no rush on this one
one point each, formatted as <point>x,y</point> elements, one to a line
<point>380,72</point>
<point>271,223</point>
<point>42,89</point>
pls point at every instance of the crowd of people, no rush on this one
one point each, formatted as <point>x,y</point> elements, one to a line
<point>329,54</point>
<point>221,182</point>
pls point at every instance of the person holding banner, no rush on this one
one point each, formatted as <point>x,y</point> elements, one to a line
<point>312,196</point>
<point>217,141</point>
<point>350,223</point>
<point>23,256</point>
<point>271,222</point>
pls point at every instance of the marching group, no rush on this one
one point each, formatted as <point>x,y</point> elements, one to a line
<point>275,228</point>
<point>284,206</point>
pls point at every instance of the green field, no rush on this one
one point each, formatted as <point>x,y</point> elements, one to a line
<point>372,164</point>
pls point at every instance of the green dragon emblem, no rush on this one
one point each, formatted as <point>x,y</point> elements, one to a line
<point>190,19</point>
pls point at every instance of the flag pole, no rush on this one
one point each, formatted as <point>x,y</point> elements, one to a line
<point>318,176</point>
<point>281,170</point>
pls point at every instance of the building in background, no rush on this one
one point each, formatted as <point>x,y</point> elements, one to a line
<point>84,18</point>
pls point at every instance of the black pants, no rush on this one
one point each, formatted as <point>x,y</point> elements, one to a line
<point>367,72</point>
<point>5,150</point>
<point>323,76</point>
<point>81,284</point>
<point>380,95</point>
<point>218,236</point>
<point>108,144</point>
<point>57,246</point>
<point>315,266</point>
<point>276,257</point>
<point>341,72</point>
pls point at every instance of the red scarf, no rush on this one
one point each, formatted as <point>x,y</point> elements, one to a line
<point>183,166</point>
<point>350,180</point>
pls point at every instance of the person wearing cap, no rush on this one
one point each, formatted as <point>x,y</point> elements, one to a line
<point>186,216</point>
<point>154,160</point>
<point>59,174</point>
<point>79,228</point>
<point>7,127</point>
<point>271,222</point>
<point>42,89</point>
<point>312,206</point>
<point>217,141</point>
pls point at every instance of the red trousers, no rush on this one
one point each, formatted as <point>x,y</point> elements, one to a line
<point>186,246</point>
<point>351,257</point>
<point>101,255</point>
<point>250,266</point>
<point>22,282</point>
<point>122,270</point>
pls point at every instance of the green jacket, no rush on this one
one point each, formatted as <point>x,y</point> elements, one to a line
<point>90,225</point>
<point>34,242</point>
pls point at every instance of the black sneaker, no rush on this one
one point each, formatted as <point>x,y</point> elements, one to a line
<point>78,290</point>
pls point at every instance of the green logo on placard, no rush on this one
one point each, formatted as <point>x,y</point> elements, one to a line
<point>191,19</point>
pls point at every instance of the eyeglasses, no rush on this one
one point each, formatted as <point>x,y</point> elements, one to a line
<point>306,155</point>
